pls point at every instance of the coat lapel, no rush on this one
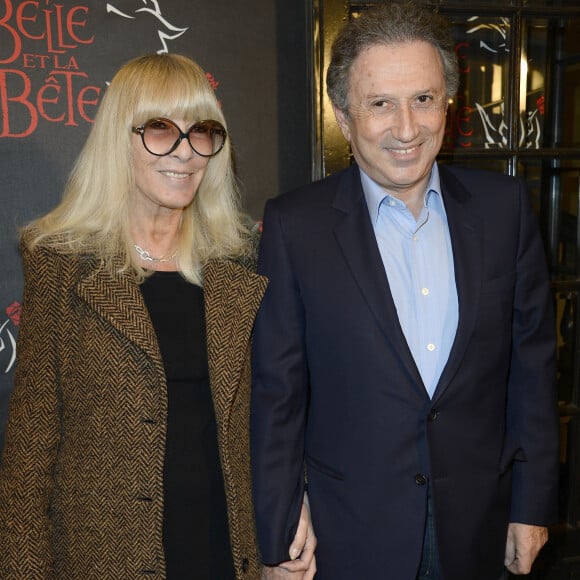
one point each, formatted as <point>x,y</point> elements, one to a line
<point>467,245</point>
<point>117,299</point>
<point>358,244</point>
<point>232,298</point>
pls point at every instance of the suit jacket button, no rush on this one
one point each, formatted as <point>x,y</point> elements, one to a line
<point>245,565</point>
<point>433,415</point>
<point>420,479</point>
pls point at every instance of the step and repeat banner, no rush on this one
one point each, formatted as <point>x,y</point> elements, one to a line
<point>55,61</point>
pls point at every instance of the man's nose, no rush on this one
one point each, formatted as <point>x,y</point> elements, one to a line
<point>405,126</point>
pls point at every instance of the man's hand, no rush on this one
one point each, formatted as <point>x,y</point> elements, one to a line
<point>523,544</point>
<point>302,565</point>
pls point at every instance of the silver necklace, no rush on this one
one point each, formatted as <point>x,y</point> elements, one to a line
<point>147,257</point>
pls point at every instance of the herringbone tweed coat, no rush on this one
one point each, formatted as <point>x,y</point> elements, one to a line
<point>81,479</point>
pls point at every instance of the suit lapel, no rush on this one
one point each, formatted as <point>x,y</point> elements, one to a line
<point>232,298</point>
<point>358,244</point>
<point>467,244</point>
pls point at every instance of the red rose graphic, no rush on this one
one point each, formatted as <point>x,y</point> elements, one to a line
<point>540,104</point>
<point>213,83</point>
<point>13,312</point>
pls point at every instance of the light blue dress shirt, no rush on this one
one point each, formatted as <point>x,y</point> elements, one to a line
<point>418,260</point>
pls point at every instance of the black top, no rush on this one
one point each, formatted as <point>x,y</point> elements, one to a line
<point>195,528</point>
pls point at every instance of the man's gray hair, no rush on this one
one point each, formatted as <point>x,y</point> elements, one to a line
<point>389,24</point>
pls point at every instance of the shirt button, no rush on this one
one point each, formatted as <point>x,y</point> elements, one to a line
<point>392,202</point>
<point>425,291</point>
<point>430,347</point>
<point>420,479</point>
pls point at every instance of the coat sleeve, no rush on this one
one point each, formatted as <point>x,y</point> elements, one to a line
<point>32,431</point>
<point>279,396</point>
<point>532,414</point>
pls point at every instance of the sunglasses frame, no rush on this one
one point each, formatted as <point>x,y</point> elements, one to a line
<point>216,127</point>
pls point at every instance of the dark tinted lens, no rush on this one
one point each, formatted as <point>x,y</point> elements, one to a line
<point>207,137</point>
<point>162,136</point>
<point>159,136</point>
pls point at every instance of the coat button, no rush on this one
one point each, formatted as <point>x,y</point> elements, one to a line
<point>245,565</point>
<point>420,479</point>
<point>433,415</point>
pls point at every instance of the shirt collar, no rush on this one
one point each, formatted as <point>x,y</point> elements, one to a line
<point>375,194</point>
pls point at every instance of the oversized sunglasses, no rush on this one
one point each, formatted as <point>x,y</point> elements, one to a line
<point>162,136</point>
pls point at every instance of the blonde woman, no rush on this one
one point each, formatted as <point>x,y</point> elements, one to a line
<point>126,452</point>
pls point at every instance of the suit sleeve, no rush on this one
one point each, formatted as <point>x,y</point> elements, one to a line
<point>279,396</point>
<point>532,415</point>
<point>32,432</point>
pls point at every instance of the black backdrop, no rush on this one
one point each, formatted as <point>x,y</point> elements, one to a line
<point>56,59</point>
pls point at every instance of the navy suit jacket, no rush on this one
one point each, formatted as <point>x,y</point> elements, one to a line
<point>337,394</point>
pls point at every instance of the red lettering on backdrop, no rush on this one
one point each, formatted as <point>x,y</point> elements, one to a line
<point>463,122</point>
<point>462,58</point>
<point>461,128</point>
<point>4,25</point>
<point>21,104</point>
<point>64,95</point>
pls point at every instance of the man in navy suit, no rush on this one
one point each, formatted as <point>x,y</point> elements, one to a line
<point>404,354</point>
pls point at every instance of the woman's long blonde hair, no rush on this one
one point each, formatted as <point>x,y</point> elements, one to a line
<point>93,216</point>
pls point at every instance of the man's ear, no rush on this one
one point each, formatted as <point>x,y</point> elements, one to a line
<point>342,120</point>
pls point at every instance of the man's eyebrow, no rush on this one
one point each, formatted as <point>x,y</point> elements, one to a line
<point>372,96</point>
